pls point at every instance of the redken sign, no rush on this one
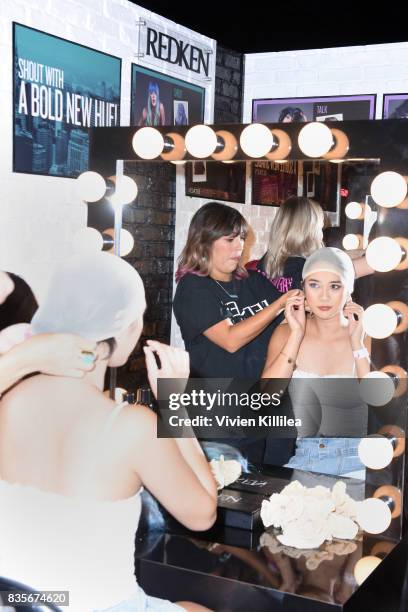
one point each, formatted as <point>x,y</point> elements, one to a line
<point>171,48</point>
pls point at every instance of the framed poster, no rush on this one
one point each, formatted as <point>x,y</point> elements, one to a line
<point>395,106</point>
<point>273,183</point>
<point>217,181</point>
<point>60,89</point>
<point>328,108</point>
<point>160,99</point>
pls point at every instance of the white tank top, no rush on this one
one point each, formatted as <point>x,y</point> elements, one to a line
<point>50,541</point>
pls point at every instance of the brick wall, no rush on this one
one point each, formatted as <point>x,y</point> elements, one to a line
<point>228,86</point>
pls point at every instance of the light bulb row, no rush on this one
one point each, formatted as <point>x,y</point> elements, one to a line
<point>256,140</point>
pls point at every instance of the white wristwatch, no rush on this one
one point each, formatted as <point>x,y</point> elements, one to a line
<point>360,353</point>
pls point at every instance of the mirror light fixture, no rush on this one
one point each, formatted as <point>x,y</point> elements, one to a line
<point>174,147</point>
<point>396,436</point>
<point>201,141</point>
<point>399,377</point>
<point>376,388</point>
<point>316,139</point>
<point>126,241</point>
<point>373,515</point>
<point>87,240</point>
<point>364,567</point>
<point>403,243</point>
<point>281,147</point>
<point>376,452</point>
<point>401,311</point>
<point>148,143</point>
<point>125,191</point>
<point>91,186</point>
<point>389,189</point>
<point>351,242</point>
<point>256,140</point>
<point>340,147</point>
<point>383,254</point>
<point>230,146</point>
<point>379,321</point>
<point>354,210</point>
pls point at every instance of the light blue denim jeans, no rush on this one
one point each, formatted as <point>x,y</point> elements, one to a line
<point>336,456</point>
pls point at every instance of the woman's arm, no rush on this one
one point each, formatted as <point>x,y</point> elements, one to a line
<point>175,364</point>
<point>360,343</point>
<point>286,340</point>
<point>233,337</point>
<point>175,472</point>
<point>57,354</point>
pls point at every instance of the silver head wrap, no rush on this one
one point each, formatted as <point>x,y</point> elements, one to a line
<point>96,297</point>
<point>330,259</point>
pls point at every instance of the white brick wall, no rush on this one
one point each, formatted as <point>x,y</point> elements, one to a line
<point>39,215</point>
<point>326,72</point>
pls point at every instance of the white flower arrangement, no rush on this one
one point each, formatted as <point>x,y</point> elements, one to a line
<point>310,516</point>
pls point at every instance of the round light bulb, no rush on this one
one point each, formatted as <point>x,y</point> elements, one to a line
<point>383,254</point>
<point>315,139</point>
<point>353,210</point>
<point>351,242</point>
<point>148,143</point>
<point>256,140</point>
<point>126,241</point>
<point>201,141</point>
<point>91,186</point>
<point>379,321</point>
<point>389,189</point>
<point>373,515</point>
<point>87,240</point>
<point>376,388</point>
<point>376,452</point>
<point>125,190</point>
<point>364,567</point>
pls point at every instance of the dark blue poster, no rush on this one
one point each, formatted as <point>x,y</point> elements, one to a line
<point>60,90</point>
<point>160,99</point>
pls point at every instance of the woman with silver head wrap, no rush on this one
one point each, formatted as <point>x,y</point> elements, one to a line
<point>73,463</point>
<point>325,343</point>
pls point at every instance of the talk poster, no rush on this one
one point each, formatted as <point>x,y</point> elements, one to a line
<point>60,90</point>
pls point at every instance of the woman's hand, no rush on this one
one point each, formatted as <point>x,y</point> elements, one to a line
<point>295,314</point>
<point>174,363</point>
<point>354,314</point>
<point>61,354</point>
<point>6,286</point>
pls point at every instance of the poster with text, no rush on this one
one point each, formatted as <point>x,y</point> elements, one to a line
<point>60,90</point>
<point>395,106</point>
<point>159,99</point>
<point>328,108</point>
<point>216,181</point>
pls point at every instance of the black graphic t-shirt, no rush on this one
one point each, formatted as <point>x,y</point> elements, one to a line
<point>201,302</point>
<point>292,272</point>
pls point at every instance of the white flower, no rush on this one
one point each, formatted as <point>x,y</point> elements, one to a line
<point>344,504</point>
<point>225,472</point>
<point>305,533</point>
<point>342,527</point>
<point>280,509</point>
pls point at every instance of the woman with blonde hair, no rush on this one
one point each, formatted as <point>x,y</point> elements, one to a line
<point>296,232</point>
